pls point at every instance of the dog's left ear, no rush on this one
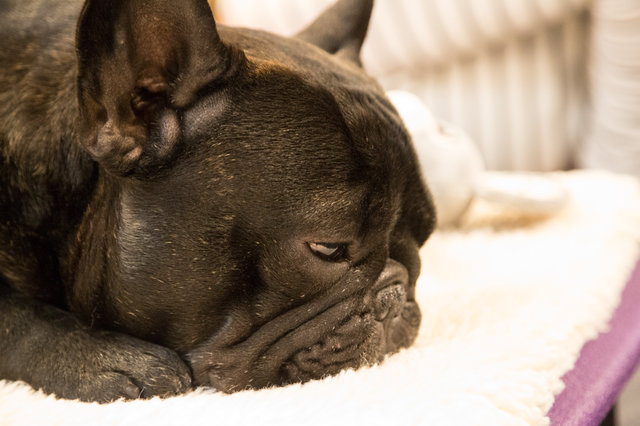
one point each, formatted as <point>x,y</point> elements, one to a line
<point>341,29</point>
<point>140,62</point>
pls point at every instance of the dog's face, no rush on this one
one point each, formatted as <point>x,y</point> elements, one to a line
<point>270,207</point>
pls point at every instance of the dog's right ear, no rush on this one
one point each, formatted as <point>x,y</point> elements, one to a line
<point>139,63</point>
<point>341,29</point>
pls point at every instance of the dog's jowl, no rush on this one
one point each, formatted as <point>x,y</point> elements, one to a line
<point>185,204</point>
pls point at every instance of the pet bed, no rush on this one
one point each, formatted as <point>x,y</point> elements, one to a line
<point>508,303</point>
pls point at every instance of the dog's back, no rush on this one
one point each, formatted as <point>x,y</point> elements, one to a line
<point>37,78</point>
<point>43,172</point>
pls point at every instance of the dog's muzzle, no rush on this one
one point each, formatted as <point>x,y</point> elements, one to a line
<point>387,322</point>
<point>317,339</point>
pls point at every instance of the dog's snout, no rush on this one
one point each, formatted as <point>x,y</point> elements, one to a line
<point>389,302</point>
<point>394,273</point>
<point>390,294</point>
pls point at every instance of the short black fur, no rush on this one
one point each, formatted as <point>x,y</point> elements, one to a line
<point>161,180</point>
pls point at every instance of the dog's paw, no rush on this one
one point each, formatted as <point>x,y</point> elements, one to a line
<point>111,366</point>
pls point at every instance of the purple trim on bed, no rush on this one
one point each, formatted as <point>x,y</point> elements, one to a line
<point>604,366</point>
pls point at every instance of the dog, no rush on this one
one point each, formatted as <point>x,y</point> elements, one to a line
<point>186,204</point>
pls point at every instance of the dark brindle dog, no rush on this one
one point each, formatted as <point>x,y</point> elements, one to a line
<point>185,204</point>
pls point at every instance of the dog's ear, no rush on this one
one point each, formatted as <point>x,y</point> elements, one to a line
<point>341,29</point>
<point>139,63</point>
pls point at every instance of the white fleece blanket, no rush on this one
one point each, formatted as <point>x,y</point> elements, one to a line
<point>507,304</point>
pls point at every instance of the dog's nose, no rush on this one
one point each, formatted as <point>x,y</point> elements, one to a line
<point>390,294</point>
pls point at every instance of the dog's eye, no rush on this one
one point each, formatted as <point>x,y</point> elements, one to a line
<point>334,252</point>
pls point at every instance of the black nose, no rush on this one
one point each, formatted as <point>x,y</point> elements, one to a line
<point>390,290</point>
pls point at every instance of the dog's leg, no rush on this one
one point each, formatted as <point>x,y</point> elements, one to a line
<point>51,350</point>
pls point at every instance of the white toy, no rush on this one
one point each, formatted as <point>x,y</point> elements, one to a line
<point>455,172</point>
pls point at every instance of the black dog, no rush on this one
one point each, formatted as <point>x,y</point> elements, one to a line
<point>184,204</point>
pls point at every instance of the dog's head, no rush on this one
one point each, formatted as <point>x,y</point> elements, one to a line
<point>270,207</point>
